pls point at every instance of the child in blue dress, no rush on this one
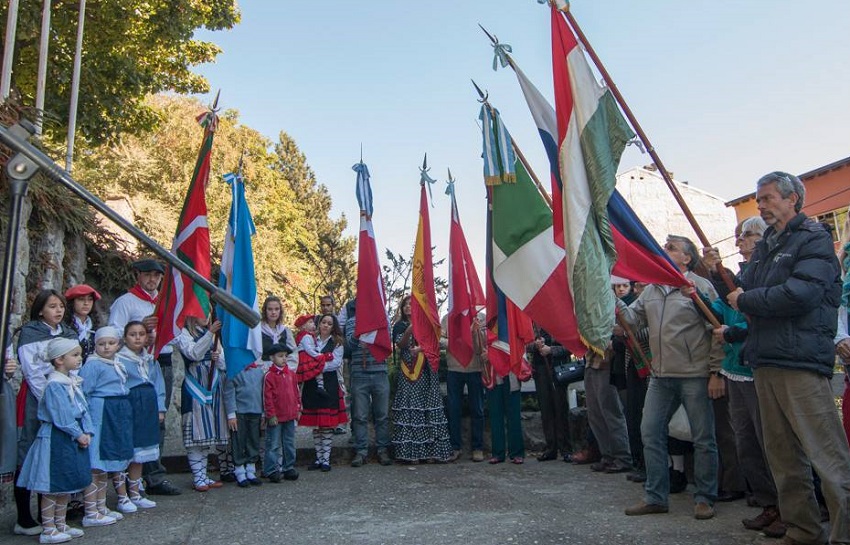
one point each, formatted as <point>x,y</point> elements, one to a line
<point>147,397</point>
<point>105,386</point>
<point>57,464</point>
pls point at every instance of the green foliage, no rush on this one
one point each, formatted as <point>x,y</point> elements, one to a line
<point>299,250</point>
<point>131,48</point>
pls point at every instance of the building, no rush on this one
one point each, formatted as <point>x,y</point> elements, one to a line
<point>647,193</point>
<point>827,196</point>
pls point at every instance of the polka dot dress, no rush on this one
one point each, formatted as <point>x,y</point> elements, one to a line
<point>420,428</point>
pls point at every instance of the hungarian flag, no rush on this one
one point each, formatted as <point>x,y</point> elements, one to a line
<point>371,326</point>
<point>242,345</point>
<point>465,294</point>
<point>423,300</point>
<point>639,256</point>
<point>527,265</point>
<point>180,296</point>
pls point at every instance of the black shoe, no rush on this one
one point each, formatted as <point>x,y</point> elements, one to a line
<point>290,475</point>
<point>243,484</point>
<point>255,482</point>
<point>725,496</point>
<point>227,477</point>
<point>339,430</point>
<point>678,481</point>
<point>546,456</point>
<point>165,488</point>
<point>638,476</point>
<point>325,468</point>
<point>274,477</point>
<point>314,466</point>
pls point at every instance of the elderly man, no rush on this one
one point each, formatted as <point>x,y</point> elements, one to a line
<point>138,304</point>
<point>791,292</point>
<point>685,370</point>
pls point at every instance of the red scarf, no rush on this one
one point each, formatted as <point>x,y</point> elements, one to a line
<point>142,294</point>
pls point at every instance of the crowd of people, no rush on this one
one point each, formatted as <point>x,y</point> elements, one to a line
<point>745,359</point>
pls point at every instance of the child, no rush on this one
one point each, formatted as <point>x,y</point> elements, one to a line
<point>82,317</point>
<point>204,424</point>
<point>57,464</point>
<point>45,324</point>
<point>282,405</point>
<point>147,397</point>
<point>309,357</point>
<point>243,401</point>
<point>105,386</point>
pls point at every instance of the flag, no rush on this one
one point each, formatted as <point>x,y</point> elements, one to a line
<point>465,294</point>
<point>639,256</point>
<point>527,265</point>
<point>508,329</point>
<point>423,300</point>
<point>371,326</point>
<point>242,345</point>
<point>180,296</point>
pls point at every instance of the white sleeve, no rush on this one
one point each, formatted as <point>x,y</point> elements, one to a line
<point>335,363</point>
<point>33,367</point>
<point>192,349</point>
<point>292,357</point>
<point>119,313</point>
<point>308,344</point>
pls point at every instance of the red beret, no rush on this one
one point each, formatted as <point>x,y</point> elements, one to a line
<point>303,319</point>
<point>79,290</point>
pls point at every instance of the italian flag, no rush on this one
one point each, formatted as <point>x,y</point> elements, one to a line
<point>180,296</point>
<point>592,135</point>
<point>528,266</point>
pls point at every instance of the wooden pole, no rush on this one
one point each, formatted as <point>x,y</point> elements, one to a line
<point>645,139</point>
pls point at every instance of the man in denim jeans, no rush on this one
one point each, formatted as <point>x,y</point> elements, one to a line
<point>685,370</point>
<point>370,394</point>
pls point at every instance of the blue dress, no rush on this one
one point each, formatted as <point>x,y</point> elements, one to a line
<point>147,398</point>
<point>105,386</point>
<point>56,464</point>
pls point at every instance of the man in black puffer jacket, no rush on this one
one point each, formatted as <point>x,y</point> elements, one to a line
<point>791,292</point>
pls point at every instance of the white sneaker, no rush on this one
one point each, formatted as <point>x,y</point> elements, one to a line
<point>21,531</point>
<point>71,531</point>
<point>114,514</point>
<point>143,503</point>
<point>54,536</point>
<point>97,520</point>
<point>125,505</point>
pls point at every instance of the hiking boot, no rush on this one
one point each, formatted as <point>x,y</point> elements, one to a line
<point>703,511</point>
<point>775,530</point>
<point>358,461</point>
<point>644,508</point>
<point>763,520</point>
<point>384,458</point>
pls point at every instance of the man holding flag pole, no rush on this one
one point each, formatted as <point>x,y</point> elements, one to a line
<point>367,337</point>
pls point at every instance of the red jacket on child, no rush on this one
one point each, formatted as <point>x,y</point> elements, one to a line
<point>280,394</point>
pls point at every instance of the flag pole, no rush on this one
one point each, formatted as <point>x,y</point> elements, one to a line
<point>645,139</point>
<point>520,155</point>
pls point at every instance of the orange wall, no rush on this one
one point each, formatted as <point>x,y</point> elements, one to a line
<point>827,192</point>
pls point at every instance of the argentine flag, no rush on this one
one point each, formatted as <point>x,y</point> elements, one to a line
<point>242,345</point>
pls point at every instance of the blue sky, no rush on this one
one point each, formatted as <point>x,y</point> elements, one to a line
<point>726,91</point>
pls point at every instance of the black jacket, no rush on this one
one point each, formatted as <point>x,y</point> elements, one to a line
<point>791,294</point>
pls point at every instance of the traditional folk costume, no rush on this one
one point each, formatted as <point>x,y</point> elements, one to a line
<point>322,410</point>
<point>85,328</point>
<point>310,361</point>
<point>147,398</point>
<point>243,400</point>
<point>279,334</point>
<point>420,428</point>
<point>106,390</point>
<point>281,400</point>
<point>32,346</point>
<point>56,464</point>
<point>202,406</point>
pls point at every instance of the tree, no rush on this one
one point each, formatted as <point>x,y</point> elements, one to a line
<point>298,250</point>
<point>397,281</point>
<point>131,49</point>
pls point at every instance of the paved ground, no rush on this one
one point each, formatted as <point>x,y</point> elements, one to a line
<point>462,503</point>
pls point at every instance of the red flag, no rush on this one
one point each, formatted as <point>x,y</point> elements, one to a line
<point>371,326</point>
<point>423,300</point>
<point>180,296</point>
<point>465,294</point>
